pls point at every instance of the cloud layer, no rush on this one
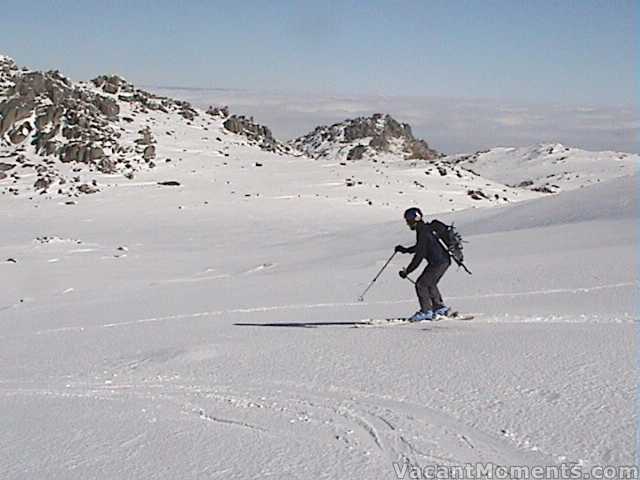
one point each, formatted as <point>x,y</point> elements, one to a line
<point>451,125</point>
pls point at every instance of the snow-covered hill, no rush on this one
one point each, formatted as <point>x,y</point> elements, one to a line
<point>547,168</point>
<point>67,138</point>
<point>379,136</point>
<point>62,139</point>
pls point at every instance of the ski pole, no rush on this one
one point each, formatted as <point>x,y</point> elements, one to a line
<point>361,297</point>
<point>458,262</point>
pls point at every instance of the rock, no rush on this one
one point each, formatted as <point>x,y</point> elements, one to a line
<point>3,176</point>
<point>19,134</point>
<point>52,115</point>
<point>5,167</point>
<point>96,153</point>
<point>149,153</point>
<point>14,110</point>
<point>110,88</point>
<point>542,189</point>
<point>419,149</point>
<point>107,166</point>
<point>169,183</point>
<point>357,152</point>
<point>218,111</point>
<point>524,184</point>
<point>147,137</point>
<point>383,132</point>
<point>42,183</point>
<point>477,195</point>
<point>260,134</point>
<point>379,142</point>
<point>70,153</point>
<point>87,189</point>
<point>107,106</point>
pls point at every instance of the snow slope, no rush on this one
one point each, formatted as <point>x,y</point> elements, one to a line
<point>548,167</point>
<point>205,330</point>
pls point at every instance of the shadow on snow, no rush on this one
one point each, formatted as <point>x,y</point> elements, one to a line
<point>304,324</point>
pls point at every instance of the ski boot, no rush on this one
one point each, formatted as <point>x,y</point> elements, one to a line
<point>421,316</point>
<point>442,311</point>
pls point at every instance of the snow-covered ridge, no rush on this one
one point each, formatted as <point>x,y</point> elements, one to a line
<point>65,135</point>
<point>364,137</point>
<point>547,168</point>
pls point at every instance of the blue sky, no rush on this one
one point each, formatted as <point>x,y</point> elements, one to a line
<point>548,52</point>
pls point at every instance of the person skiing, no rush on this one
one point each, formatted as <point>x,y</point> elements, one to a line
<point>429,248</point>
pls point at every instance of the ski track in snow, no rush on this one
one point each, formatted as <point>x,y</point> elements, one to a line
<point>363,423</point>
<point>272,308</point>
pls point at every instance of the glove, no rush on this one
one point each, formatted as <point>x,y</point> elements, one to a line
<point>400,249</point>
<point>402,273</point>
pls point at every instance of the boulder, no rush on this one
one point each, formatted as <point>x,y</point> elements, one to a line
<point>420,149</point>
<point>87,189</point>
<point>218,111</point>
<point>42,183</point>
<point>357,152</point>
<point>107,106</point>
<point>20,133</point>
<point>96,153</point>
<point>147,137</point>
<point>32,83</point>
<point>380,143</point>
<point>107,165</point>
<point>149,153</point>
<point>110,88</point>
<point>50,148</point>
<point>14,110</point>
<point>70,153</point>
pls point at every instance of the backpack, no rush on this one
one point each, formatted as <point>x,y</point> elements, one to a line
<point>450,237</point>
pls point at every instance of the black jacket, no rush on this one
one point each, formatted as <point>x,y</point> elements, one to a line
<point>427,247</point>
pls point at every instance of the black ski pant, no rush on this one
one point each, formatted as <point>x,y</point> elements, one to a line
<point>427,286</point>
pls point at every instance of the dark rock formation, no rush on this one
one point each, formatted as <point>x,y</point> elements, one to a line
<point>369,136</point>
<point>256,133</point>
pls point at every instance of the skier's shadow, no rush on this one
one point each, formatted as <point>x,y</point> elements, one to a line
<point>303,324</point>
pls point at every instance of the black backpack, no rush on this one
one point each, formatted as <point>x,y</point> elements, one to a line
<point>450,237</point>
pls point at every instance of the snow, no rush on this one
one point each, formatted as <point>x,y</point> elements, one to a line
<point>189,332</point>
<point>554,166</point>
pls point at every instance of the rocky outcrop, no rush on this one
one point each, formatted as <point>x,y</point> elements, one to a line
<point>59,135</point>
<point>49,119</point>
<point>254,132</point>
<point>221,111</point>
<point>365,137</point>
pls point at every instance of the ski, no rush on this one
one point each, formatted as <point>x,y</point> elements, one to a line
<point>455,316</point>
<point>393,321</point>
<point>384,322</point>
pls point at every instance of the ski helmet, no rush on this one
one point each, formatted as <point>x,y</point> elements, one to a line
<point>413,215</point>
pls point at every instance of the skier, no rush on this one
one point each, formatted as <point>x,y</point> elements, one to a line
<point>428,248</point>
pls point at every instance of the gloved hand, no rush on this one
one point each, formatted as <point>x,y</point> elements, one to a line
<point>402,273</point>
<point>400,249</point>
